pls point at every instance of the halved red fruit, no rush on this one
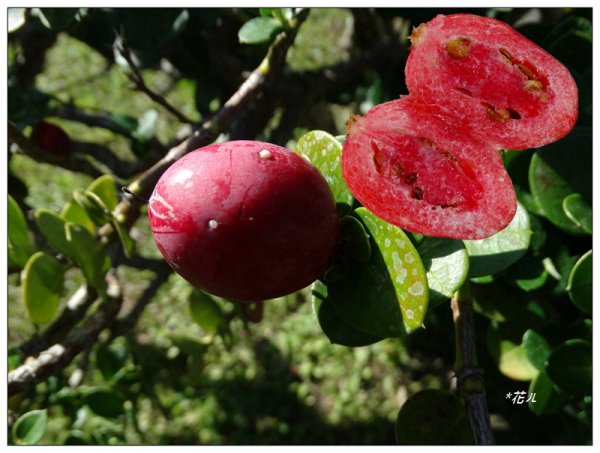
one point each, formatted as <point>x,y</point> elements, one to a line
<point>418,167</point>
<point>511,92</point>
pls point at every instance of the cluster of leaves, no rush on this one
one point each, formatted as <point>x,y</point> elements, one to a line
<point>531,283</point>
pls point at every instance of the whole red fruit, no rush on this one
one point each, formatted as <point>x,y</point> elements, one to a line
<point>51,138</point>
<point>244,220</point>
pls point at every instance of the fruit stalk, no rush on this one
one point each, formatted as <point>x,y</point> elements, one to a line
<point>469,375</point>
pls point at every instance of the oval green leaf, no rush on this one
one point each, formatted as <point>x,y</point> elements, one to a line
<point>20,246</point>
<point>511,357</point>
<point>433,417</point>
<point>559,170</point>
<point>105,187</point>
<point>527,274</point>
<point>259,30</point>
<point>205,311</point>
<point>545,398</point>
<point>580,283</point>
<point>388,295</point>
<point>42,282</point>
<point>570,367</point>
<point>52,227</point>
<point>30,427</point>
<point>447,265</point>
<point>579,211</point>
<point>325,153</point>
<point>73,212</point>
<point>355,239</point>
<point>333,326</point>
<point>497,252</point>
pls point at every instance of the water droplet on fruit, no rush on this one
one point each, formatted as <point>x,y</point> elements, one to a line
<point>265,154</point>
<point>212,224</point>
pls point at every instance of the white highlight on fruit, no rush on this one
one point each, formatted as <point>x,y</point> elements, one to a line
<point>212,224</point>
<point>265,154</point>
<point>182,176</point>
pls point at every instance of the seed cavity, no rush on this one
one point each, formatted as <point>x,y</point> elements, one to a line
<point>464,91</point>
<point>417,193</point>
<point>458,47</point>
<point>377,156</point>
<point>501,115</point>
<point>411,178</point>
<point>265,154</point>
<point>506,54</point>
<point>212,224</point>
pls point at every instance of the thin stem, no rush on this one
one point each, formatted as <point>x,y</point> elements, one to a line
<point>469,376</point>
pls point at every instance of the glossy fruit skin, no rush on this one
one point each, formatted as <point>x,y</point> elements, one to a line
<point>418,168</point>
<point>245,220</point>
<point>51,138</point>
<point>512,92</point>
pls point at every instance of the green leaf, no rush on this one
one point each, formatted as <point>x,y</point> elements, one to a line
<point>433,417</point>
<point>259,30</point>
<point>205,311</point>
<point>126,241</point>
<point>42,282</point>
<point>105,187</point>
<point>580,283</point>
<point>570,367</point>
<point>325,153</point>
<point>333,326</point>
<point>579,211</point>
<point>388,295</point>
<point>123,124</point>
<point>20,246</point>
<point>30,427</point>
<point>497,252</point>
<point>105,402</point>
<point>447,265</point>
<point>73,212</point>
<point>52,226</point>
<point>559,170</point>
<point>89,255</point>
<point>537,348</point>
<point>582,329</point>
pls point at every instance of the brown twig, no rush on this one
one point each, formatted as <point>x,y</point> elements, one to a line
<point>138,79</point>
<point>469,375</point>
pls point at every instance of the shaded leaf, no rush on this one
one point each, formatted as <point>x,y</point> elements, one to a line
<point>546,398</point>
<point>107,403</point>
<point>537,348</point>
<point>355,239</point>
<point>52,226</point>
<point>110,359</point>
<point>42,282</point>
<point>433,417</point>
<point>570,367</point>
<point>579,211</point>
<point>527,274</point>
<point>57,19</point>
<point>386,296</point>
<point>325,153</point>
<point>497,252</point>
<point>30,427</point>
<point>580,283</point>
<point>89,255</point>
<point>447,265</point>
<point>333,326</point>
<point>559,170</point>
